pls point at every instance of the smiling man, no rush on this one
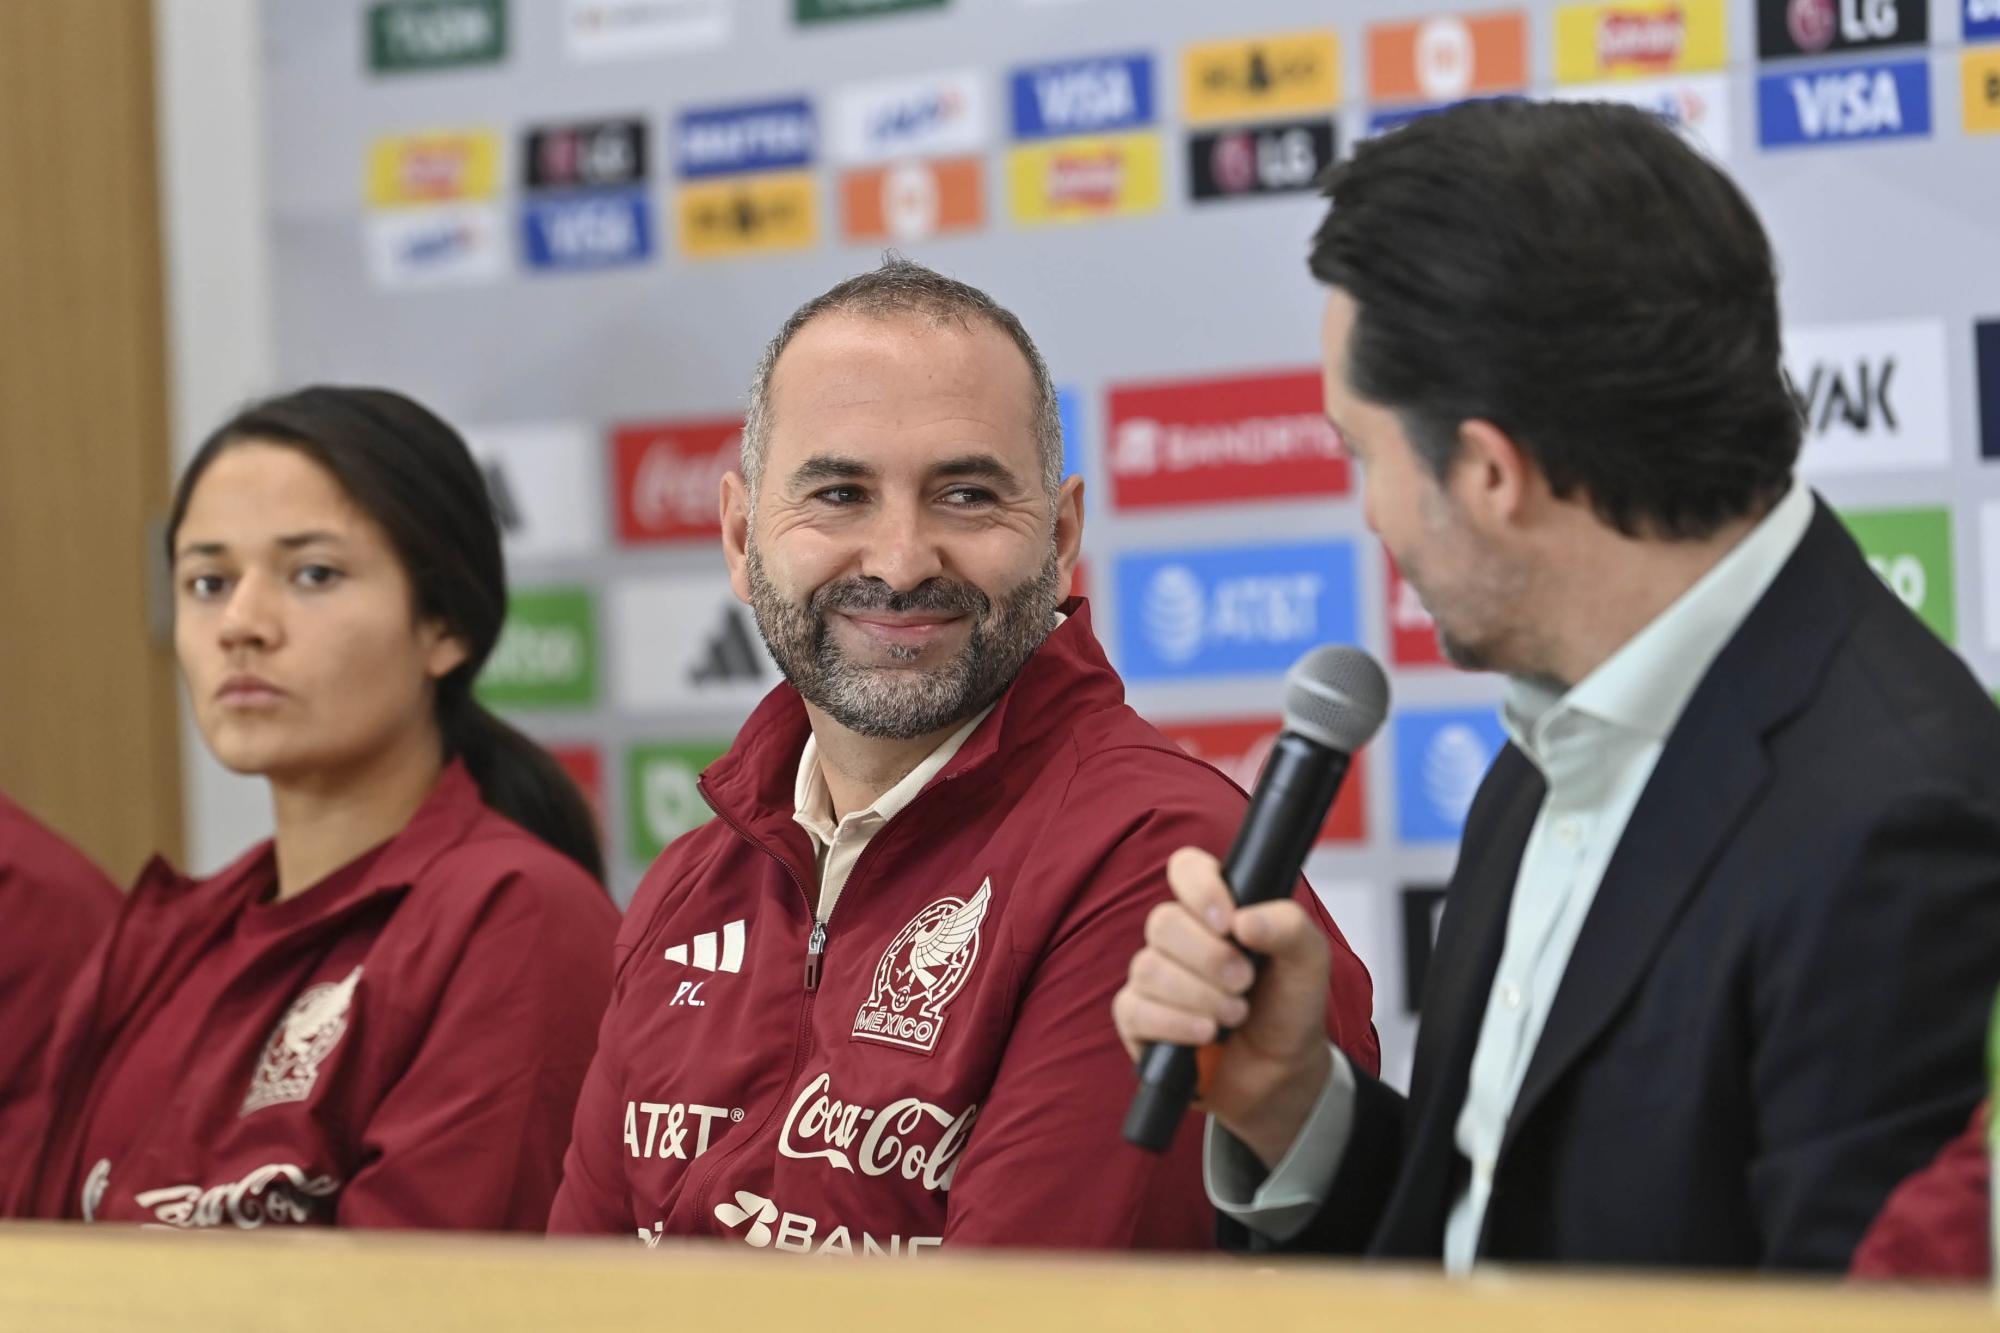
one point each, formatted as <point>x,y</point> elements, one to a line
<point>863,1011</point>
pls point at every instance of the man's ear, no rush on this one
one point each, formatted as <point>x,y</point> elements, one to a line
<point>736,533</point>
<point>1492,479</point>
<point>1069,529</point>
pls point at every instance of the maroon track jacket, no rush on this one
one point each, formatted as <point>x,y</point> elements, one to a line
<point>945,1070</point>
<point>54,904</point>
<point>399,1045</point>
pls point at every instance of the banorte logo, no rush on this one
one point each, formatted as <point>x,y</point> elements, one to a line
<point>1643,39</point>
<point>670,477</point>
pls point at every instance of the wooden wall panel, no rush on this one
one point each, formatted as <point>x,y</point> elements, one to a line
<point>88,732</point>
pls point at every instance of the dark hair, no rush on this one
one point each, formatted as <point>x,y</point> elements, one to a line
<point>413,475</point>
<point>1580,277</point>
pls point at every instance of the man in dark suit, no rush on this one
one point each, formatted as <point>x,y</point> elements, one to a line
<point>1718,955</point>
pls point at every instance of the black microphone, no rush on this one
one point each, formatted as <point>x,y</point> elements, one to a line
<point>1335,699</point>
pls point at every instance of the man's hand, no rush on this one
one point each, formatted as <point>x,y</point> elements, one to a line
<point>1190,980</point>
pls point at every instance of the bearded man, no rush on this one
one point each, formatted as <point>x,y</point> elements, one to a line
<point>865,1009</point>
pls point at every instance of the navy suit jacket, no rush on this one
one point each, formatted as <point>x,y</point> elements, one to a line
<point>1778,1003</point>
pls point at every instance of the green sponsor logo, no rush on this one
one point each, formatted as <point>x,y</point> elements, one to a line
<point>661,799</point>
<point>435,34</point>
<point>1911,550</point>
<point>547,654</point>
<point>832,11</point>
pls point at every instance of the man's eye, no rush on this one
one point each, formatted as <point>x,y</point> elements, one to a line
<point>207,586</point>
<point>967,496</point>
<point>839,495</point>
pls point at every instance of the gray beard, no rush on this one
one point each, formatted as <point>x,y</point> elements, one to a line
<point>901,703</point>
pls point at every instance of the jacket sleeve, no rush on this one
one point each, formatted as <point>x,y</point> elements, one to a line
<point>1936,1224</point>
<point>1873,1008</point>
<point>1046,1164</point>
<point>1359,1192</point>
<point>594,1198</point>
<point>471,1135</point>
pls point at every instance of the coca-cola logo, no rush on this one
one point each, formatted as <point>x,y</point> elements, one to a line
<point>670,478</point>
<point>910,1137</point>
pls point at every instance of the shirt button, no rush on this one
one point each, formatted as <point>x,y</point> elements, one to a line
<point>1569,831</point>
<point>1510,995</point>
<point>1483,1169</point>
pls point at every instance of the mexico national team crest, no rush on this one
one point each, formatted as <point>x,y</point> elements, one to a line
<point>921,970</point>
<point>304,1037</point>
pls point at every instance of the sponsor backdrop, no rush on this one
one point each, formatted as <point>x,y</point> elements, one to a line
<point>571,224</point>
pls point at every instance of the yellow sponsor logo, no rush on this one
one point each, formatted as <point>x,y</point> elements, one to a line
<point>1639,39</point>
<point>1077,180</point>
<point>748,215</point>
<point>435,167</point>
<point>1275,75</point>
<point>1981,81</point>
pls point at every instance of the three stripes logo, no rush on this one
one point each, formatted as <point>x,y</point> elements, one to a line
<point>711,951</point>
<point>702,954</point>
<point>733,656</point>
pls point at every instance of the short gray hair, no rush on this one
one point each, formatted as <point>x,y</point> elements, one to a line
<point>904,288</point>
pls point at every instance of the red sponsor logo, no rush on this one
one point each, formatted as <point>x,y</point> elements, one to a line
<point>1650,41</point>
<point>586,770</point>
<point>1239,748</point>
<point>670,477</point>
<point>1252,437</point>
<point>1413,637</point>
<point>1086,180</point>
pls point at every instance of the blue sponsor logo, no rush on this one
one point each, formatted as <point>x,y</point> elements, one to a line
<point>1232,611</point>
<point>1381,122</point>
<point>588,231</point>
<point>1393,118</point>
<point>1842,103</point>
<point>1441,758</point>
<point>1083,96</point>
<point>1982,19</point>
<point>450,241</point>
<point>769,136</point>
<point>1987,338</point>
<point>1069,405</point>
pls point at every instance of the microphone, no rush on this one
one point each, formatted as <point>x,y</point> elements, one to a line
<point>1335,699</point>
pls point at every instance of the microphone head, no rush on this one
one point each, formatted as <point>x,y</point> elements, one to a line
<point>1336,695</point>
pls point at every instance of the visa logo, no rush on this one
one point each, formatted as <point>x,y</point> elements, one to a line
<point>1231,611</point>
<point>770,136</point>
<point>589,232</point>
<point>1441,758</point>
<point>1083,97</point>
<point>1852,102</point>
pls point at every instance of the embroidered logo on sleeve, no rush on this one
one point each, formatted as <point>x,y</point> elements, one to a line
<point>304,1037</point>
<point>923,968</point>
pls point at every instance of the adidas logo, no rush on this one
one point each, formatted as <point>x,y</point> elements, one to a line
<point>702,954</point>
<point>752,1208</point>
<point>733,653</point>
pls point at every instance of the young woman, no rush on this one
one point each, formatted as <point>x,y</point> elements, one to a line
<point>382,1016</point>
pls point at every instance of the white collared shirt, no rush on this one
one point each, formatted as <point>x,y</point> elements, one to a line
<point>839,843</point>
<point>1595,746</point>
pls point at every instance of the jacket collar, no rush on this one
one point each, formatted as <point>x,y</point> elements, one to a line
<point>753,786</point>
<point>447,814</point>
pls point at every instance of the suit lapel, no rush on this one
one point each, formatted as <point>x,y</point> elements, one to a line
<point>1455,988</point>
<point>1709,773</point>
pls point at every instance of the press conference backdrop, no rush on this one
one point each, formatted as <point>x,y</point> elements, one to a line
<point>570,225</point>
